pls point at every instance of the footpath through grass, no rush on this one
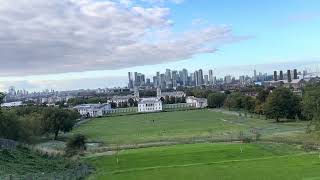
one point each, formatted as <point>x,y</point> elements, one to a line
<point>208,161</point>
<point>180,126</point>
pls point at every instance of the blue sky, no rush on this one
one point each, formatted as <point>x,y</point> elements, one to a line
<point>249,32</point>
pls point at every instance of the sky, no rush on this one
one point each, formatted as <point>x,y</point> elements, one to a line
<point>80,44</point>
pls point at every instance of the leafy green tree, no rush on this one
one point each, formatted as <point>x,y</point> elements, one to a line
<point>311,104</point>
<point>248,103</point>
<point>216,100</point>
<point>282,103</point>
<point>262,96</point>
<point>56,120</point>
<point>234,101</point>
<point>10,126</point>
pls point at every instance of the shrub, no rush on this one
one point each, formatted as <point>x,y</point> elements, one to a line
<point>76,145</point>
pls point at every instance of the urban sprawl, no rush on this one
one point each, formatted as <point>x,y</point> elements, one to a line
<point>168,90</point>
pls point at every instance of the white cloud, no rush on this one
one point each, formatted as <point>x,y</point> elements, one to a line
<point>57,36</point>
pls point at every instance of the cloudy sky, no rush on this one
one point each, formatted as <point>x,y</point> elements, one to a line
<point>71,44</point>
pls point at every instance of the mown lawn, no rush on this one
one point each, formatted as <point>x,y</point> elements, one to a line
<point>179,126</point>
<point>208,161</point>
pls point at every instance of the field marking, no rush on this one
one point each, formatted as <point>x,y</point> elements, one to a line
<point>200,164</point>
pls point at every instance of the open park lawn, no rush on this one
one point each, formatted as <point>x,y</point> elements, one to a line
<point>207,162</point>
<point>182,126</point>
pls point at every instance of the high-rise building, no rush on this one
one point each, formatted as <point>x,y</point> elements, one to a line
<point>289,76</point>
<point>185,77</point>
<point>255,78</point>
<point>196,78</point>
<point>227,79</point>
<point>200,80</point>
<point>130,85</point>
<point>206,79</point>
<point>174,78</point>
<point>275,76</point>
<point>295,74</point>
<point>281,75</point>
<point>210,76</point>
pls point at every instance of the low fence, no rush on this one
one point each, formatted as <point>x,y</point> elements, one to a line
<point>73,174</point>
<point>122,110</point>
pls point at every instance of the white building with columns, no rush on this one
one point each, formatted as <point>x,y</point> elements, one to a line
<point>150,105</point>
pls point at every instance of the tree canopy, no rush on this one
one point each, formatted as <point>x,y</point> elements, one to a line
<point>216,99</point>
<point>282,103</point>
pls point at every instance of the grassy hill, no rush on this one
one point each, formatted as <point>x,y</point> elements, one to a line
<point>181,126</point>
<point>22,161</point>
<point>208,161</point>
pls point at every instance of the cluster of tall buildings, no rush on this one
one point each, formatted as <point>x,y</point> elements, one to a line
<point>289,75</point>
<point>172,79</point>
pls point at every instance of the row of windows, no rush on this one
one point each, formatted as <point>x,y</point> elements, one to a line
<point>150,109</point>
<point>148,105</point>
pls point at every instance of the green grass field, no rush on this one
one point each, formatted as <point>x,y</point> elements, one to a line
<point>207,162</point>
<point>181,126</point>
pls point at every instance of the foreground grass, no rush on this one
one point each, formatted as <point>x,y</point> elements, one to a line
<point>179,126</point>
<point>23,161</point>
<point>208,161</point>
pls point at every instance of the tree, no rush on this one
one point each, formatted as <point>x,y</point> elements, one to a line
<point>76,145</point>
<point>57,120</point>
<point>166,99</point>
<point>172,100</point>
<point>2,95</point>
<point>10,126</point>
<point>234,101</point>
<point>216,100</point>
<point>282,103</point>
<point>311,104</point>
<point>131,102</point>
<point>262,96</point>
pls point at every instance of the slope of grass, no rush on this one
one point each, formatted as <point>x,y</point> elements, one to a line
<point>178,126</point>
<point>23,161</point>
<point>208,161</point>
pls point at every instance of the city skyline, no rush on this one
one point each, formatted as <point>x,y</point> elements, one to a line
<point>121,81</point>
<point>97,49</point>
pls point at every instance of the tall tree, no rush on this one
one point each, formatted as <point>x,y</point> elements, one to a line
<point>56,120</point>
<point>216,100</point>
<point>311,104</point>
<point>282,103</point>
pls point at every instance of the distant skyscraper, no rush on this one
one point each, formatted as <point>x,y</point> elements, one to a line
<point>295,74</point>
<point>275,76</point>
<point>174,78</point>
<point>206,79</point>
<point>185,77</point>
<point>228,79</point>
<point>136,79</point>
<point>289,75</point>
<point>255,78</point>
<point>281,75</point>
<point>130,85</point>
<point>210,76</point>
<point>200,76</point>
<point>196,78</point>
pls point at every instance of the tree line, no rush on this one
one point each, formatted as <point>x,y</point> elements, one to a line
<point>275,103</point>
<point>30,122</point>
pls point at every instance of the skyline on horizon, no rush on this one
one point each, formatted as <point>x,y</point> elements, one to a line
<point>73,44</point>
